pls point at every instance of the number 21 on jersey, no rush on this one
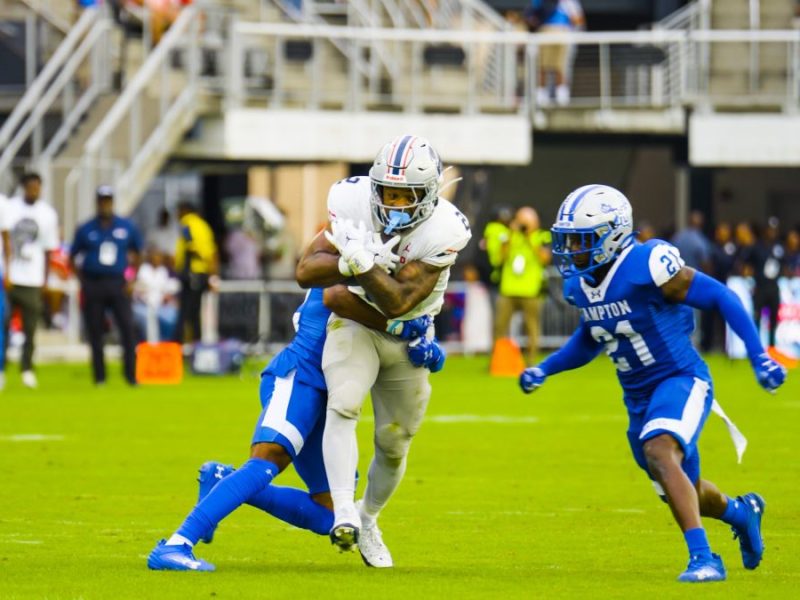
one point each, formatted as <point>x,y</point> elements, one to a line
<point>611,341</point>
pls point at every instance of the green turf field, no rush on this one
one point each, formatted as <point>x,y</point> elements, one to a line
<point>506,495</point>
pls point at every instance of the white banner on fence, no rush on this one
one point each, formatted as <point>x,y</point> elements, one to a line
<point>787,334</point>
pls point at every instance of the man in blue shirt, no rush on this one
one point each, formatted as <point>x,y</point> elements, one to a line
<point>635,302</point>
<point>100,255</point>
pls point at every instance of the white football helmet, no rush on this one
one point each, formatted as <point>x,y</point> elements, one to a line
<point>406,162</point>
<point>594,223</point>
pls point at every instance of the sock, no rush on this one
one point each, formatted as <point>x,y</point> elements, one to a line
<point>735,513</point>
<point>383,478</point>
<point>295,507</point>
<point>340,453</point>
<point>230,493</point>
<point>178,540</point>
<point>697,541</point>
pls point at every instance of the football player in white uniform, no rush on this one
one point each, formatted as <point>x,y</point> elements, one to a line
<point>400,198</point>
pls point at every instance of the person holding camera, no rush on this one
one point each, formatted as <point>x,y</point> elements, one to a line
<point>525,255</point>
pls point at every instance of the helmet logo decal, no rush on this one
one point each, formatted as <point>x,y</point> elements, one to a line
<point>399,156</point>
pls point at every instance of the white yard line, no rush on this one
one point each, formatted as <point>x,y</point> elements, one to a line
<point>31,437</point>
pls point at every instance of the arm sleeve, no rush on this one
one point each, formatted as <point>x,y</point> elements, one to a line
<point>579,350</point>
<point>707,293</point>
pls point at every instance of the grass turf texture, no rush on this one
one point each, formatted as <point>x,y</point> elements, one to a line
<point>506,495</point>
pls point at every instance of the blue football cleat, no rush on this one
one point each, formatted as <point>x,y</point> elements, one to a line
<point>702,569</point>
<point>210,474</point>
<point>176,558</point>
<point>751,543</point>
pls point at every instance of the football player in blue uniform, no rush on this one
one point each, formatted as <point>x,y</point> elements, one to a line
<point>635,302</point>
<point>289,430</point>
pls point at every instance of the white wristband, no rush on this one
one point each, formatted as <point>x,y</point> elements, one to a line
<point>361,261</point>
<point>344,268</point>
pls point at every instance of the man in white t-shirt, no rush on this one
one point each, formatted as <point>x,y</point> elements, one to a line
<point>3,216</point>
<point>31,235</point>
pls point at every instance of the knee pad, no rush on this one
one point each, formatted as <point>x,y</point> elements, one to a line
<point>393,441</point>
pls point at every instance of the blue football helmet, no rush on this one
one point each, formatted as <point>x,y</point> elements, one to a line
<point>594,223</point>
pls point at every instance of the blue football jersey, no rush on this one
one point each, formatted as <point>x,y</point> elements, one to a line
<point>646,336</point>
<point>304,352</point>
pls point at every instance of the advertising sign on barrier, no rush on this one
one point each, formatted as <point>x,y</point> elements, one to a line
<point>787,334</point>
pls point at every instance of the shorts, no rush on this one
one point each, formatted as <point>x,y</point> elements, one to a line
<point>679,407</point>
<point>293,417</point>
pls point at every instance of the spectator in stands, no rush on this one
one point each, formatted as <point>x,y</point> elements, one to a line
<point>495,234</point>
<point>645,232</point>
<point>554,16</point>
<point>103,249</point>
<point>744,238</point>
<point>244,255</point>
<point>723,262</point>
<point>57,287</point>
<point>164,236</point>
<point>695,249</point>
<point>525,255</point>
<point>766,258</point>
<point>155,309</point>
<point>723,252</point>
<point>197,266</point>
<point>792,266</point>
<point>31,235</point>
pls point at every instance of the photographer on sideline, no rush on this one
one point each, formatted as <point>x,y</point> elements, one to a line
<point>525,255</point>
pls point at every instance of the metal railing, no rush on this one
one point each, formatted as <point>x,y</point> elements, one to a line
<point>259,313</point>
<point>642,69</point>
<point>139,131</point>
<point>45,10</point>
<point>77,73</point>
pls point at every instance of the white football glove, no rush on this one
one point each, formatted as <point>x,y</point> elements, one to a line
<point>350,241</point>
<point>384,257</point>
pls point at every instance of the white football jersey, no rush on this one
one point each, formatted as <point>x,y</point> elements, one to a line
<point>436,241</point>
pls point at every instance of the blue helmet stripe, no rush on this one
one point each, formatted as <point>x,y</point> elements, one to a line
<point>570,212</point>
<point>394,160</point>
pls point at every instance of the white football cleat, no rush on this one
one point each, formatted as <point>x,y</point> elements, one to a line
<point>373,551</point>
<point>29,380</point>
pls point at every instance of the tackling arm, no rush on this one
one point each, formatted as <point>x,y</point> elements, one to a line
<point>346,304</point>
<point>397,295</point>
<point>319,265</point>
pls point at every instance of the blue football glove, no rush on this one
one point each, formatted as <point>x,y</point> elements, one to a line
<point>531,379</point>
<point>769,373</point>
<point>423,352</point>
<point>410,330</point>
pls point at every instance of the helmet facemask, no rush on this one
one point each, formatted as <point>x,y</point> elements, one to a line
<point>408,162</point>
<point>580,251</point>
<point>398,218</point>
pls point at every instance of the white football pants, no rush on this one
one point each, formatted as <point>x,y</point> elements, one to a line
<point>357,360</point>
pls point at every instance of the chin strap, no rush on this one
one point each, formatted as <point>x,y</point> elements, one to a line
<point>397,218</point>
